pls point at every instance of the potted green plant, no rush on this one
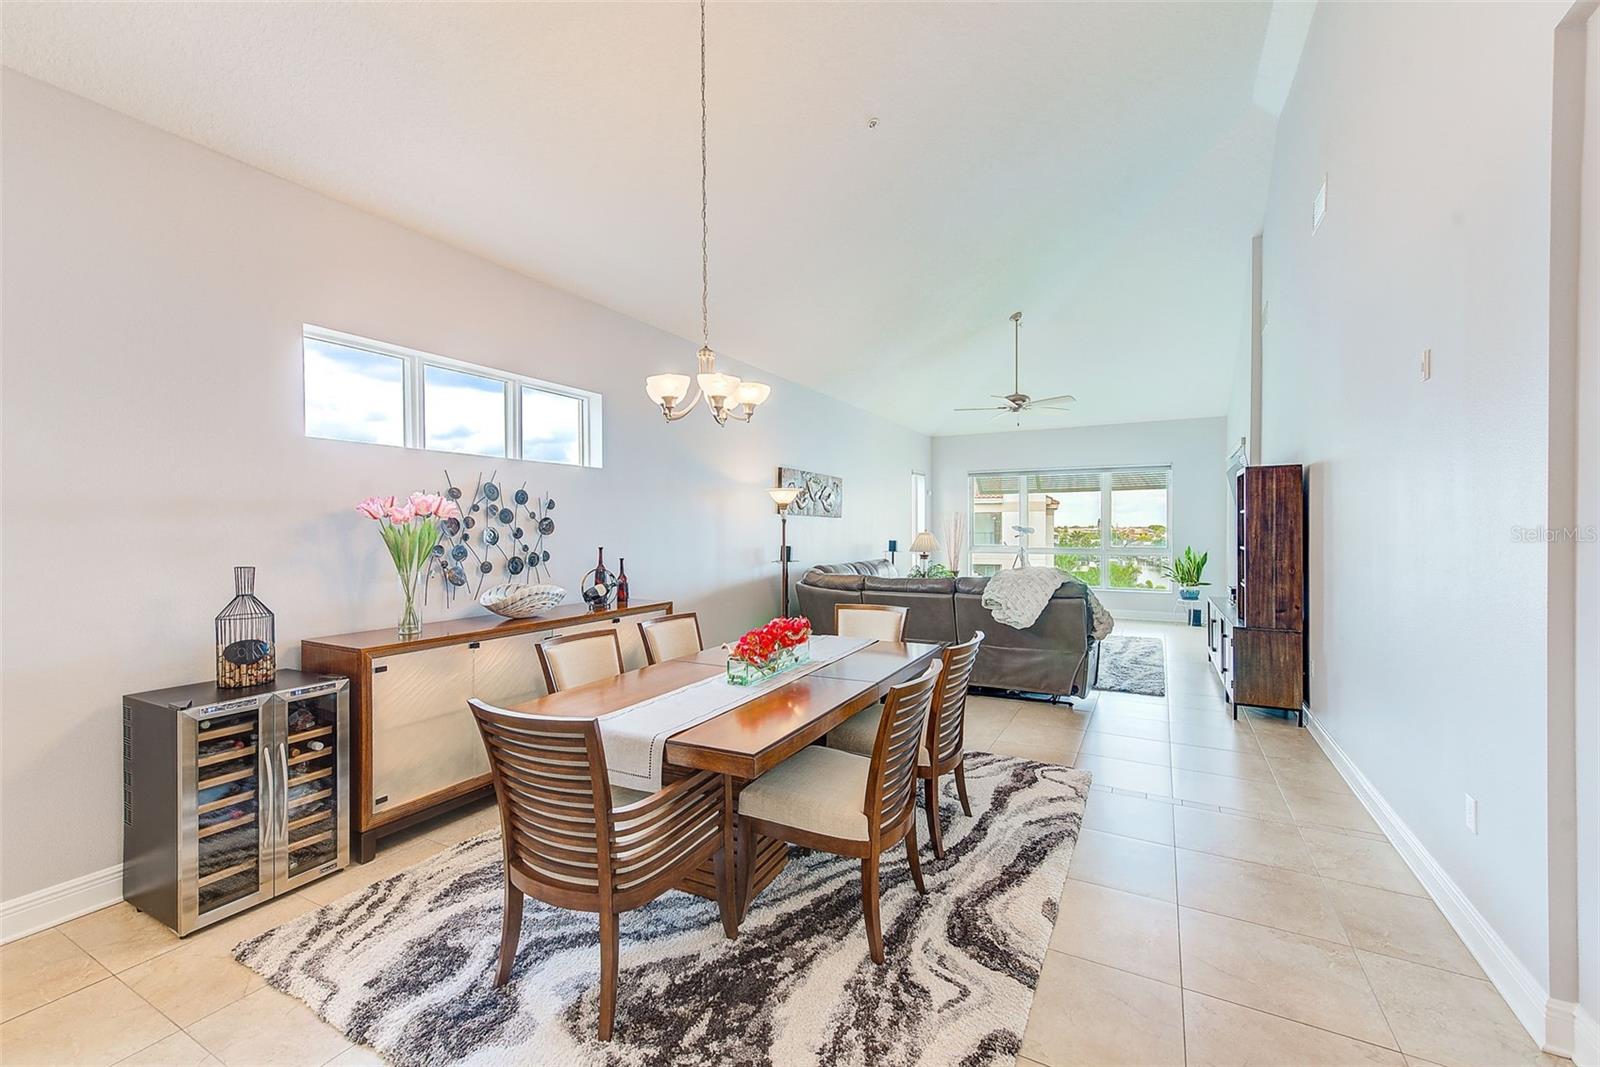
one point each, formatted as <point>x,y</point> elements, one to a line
<point>1186,570</point>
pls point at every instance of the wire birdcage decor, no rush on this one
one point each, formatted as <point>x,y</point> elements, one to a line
<point>247,652</point>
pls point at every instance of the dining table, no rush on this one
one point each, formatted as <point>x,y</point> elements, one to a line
<point>746,741</point>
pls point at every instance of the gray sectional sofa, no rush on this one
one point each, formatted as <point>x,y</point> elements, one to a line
<point>1056,656</point>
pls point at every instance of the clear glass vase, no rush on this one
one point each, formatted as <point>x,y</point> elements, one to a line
<point>410,621</point>
<point>742,673</point>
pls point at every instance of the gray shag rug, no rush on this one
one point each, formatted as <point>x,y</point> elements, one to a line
<point>407,964</point>
<point>1133,665</point>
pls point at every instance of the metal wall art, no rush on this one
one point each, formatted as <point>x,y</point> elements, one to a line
<point>499,529</point>
<point>821,495</point>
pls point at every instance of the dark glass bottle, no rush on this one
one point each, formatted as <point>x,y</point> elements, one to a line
<point>598,585</point>
<point>622,582</point>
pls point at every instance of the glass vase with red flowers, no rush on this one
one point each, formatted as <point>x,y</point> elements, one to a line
<point>781,645</point>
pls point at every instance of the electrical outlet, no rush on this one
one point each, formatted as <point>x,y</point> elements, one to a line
<point>1472,813</point>
<point>1427,363</point>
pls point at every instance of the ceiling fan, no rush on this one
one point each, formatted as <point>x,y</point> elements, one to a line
<point>1018,401</point>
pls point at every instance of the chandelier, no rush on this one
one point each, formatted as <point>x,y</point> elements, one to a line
<point>726,396</point>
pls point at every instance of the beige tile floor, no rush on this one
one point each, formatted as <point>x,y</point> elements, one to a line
<point>1230,902</point>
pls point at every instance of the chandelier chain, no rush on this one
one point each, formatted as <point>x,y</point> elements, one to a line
<point>705,229</point>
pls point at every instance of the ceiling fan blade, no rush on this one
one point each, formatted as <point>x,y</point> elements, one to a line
<point>1064,397</point>
<point>1038,407</point>
<point>981,409</point>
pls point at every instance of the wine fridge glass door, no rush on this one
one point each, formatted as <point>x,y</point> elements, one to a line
<point>314,765</point>
<point>225,830</point>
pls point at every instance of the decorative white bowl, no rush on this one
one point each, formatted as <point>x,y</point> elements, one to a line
<point>520,601</point>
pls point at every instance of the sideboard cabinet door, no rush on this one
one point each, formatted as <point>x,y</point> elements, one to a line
<point>506,671</point>
<point>423,736</point>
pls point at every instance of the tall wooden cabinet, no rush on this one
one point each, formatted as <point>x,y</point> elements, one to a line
<point>1257,639</point>
<point>416,747</point>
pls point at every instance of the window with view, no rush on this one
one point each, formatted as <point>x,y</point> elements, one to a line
<point>1107,528</point>
<point>370,392</point>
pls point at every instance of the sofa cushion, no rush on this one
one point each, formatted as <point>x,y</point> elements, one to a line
<point>879,567</point>
<point>930,607</point>
<point>849,583</point>
<point>939,586</point>
<point>1070,589</point>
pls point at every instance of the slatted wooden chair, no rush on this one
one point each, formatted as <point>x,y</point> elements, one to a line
<point>847,804</point>
<point>578,659</point>
<point>881,622</point>
<point>942,747</point>
<point>670,636</point>
<point>573,841</point>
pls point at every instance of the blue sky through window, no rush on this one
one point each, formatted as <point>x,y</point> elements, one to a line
<point>464,412</point>
<point>354,395</point>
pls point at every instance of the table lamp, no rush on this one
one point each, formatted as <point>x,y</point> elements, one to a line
<point>925,545</point>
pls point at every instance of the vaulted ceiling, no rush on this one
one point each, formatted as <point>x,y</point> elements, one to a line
<point>1101,167</point>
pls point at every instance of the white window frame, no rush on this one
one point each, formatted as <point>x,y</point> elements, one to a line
<point>921,510</point>
<point>416,362</point>
<point>1106,550</point>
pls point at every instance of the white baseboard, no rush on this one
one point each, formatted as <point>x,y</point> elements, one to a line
<point>56,904</point>
<point>1545,1020</point>
<point>1585,1038</point>
<point>1152,616</point>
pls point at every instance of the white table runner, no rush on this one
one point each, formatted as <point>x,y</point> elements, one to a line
<point>635,737</point>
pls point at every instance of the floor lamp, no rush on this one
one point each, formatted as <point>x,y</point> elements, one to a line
<point>783,496</point>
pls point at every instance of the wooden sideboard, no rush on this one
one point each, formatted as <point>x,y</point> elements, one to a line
<point>1256,642</point>
<point>416,750</point>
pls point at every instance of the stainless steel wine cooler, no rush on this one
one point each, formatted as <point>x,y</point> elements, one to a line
<point>233,796</point>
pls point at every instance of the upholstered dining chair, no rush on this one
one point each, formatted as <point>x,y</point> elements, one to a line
<point>881,622</point>
<point>846,804</point>
<point>942,745</point>
<point>578,659</point>
<point>573,841</point>
<point>670,636</point>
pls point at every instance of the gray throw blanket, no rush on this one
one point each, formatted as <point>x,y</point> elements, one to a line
<point>1017,598</point>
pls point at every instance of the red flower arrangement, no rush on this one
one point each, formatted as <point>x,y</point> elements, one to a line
<point>760,645</point>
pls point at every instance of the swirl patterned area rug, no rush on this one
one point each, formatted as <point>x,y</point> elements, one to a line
<point>406,965</point>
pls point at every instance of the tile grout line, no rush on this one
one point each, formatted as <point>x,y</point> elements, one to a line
<point>1183,1008</point>
<point>1296,1022</point>
<point>1384,1012</point>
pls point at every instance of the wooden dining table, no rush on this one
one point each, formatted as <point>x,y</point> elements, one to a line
<point>745,742</point>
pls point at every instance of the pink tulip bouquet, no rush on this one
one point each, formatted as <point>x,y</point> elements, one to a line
<point>410,528</point>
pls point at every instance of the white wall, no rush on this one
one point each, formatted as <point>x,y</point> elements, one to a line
<point>153,295</point>
<point>1428,620</point>
<point>1244,403</point>
<point>1587,518</point>
<point>1196,449</point>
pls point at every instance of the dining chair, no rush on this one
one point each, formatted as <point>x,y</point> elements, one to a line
<point>881,622</point>
<point>849,805</point>
<point>578,659</point>
<point>573,841</point>
<point>670,636</point>
<point>942,750</point>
